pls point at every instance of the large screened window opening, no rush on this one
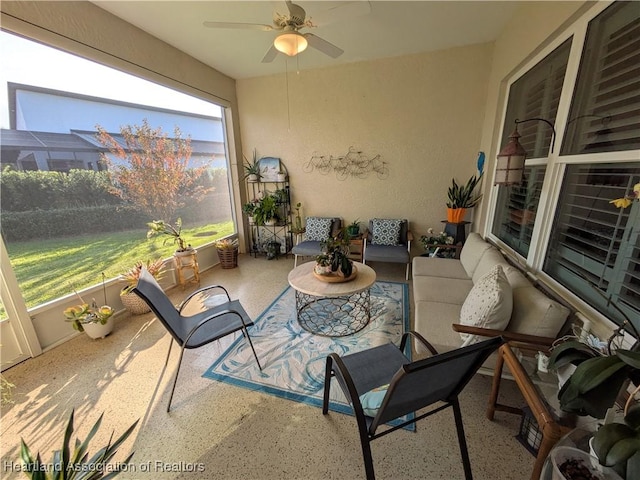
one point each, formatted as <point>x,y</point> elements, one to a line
<point>591,247</point>
<point>91,155</point>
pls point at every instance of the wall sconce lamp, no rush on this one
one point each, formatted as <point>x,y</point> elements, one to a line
<point>510,165</point>
<point>290,43</point>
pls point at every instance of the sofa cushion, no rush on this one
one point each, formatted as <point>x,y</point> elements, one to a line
<point>317,229</point>
<point>372,400</point>
<point>472,251</point>
<point>488,305</point>
<point>489,259</point>
<point>441,289</point>
<point>386,231</point>
<point>438,267</point>
<point>534,313</point>
<point>433,320</point>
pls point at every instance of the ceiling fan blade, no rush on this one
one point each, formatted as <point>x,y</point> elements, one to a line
<point>344,11</point>
<point>322,45</point>
<point>254,26</point>
<point>270,55</point>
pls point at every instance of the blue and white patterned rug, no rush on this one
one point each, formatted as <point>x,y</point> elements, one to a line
<point>294,360</point>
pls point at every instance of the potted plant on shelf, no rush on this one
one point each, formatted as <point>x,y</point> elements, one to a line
<point>249,209</point>
<point>266,213</point>
<point>131,301</point>
<point>298,228</point>
<point>184,253</point>
<point>252,168</point>
<point>460,198</point>
<point>227,252</point>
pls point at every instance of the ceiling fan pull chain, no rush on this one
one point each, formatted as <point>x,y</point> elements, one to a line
<point>286,76</point>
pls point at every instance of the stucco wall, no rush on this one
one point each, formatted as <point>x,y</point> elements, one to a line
<point>421,113</point>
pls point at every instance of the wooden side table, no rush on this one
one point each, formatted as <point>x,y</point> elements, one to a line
<point>187,261</point>
<point>551,430</point>
<point>356,245</point>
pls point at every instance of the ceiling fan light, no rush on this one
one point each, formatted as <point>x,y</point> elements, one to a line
<point>290,43</point>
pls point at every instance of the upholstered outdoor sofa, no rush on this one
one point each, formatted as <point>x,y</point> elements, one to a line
<point>503,301</point>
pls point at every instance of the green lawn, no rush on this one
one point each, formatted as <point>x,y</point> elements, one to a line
<point>48,269</point>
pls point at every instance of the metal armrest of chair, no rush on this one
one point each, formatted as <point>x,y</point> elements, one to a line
<point>418,337</point>
<point>532,342</point>
<point>199,291</point>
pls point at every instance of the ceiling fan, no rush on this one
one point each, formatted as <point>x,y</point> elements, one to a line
<point>291,41</point>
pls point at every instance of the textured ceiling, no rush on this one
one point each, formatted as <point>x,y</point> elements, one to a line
<point>364,30</point>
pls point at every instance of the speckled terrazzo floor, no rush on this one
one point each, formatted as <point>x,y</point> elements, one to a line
<point>218,431</point>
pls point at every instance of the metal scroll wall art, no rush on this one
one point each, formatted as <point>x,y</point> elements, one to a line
<point>354,164</point>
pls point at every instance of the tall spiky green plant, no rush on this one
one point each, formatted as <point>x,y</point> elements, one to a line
<point>68,464</point>
<point>463,196</point>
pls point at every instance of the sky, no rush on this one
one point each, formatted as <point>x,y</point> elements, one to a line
<point>27,62</point>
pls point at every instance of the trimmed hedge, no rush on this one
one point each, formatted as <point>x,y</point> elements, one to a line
<point>70,222</point>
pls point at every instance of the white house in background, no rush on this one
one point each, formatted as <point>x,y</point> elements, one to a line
<point>56,130</point>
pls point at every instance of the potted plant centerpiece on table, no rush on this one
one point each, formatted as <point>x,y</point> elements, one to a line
<point>131,301</point>
<point>334,264</point>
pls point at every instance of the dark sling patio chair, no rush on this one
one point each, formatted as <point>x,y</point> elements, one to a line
<point>196,330</point>
<point>412,386</point>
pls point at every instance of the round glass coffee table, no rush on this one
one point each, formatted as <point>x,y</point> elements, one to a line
<point>332,309</point>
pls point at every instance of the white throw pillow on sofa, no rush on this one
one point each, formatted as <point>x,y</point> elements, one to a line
<point>488,305</point>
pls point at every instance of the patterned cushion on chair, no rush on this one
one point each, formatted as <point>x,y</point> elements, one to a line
<point>386,231</point>
<point>318,228</point>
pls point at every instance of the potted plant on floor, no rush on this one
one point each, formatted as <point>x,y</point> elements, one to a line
<point>131,301</point>
<point>74,461</point>
<point>227,252</point>
<point>95,321</point>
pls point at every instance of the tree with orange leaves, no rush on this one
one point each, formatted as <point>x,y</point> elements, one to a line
<point>154,174</point>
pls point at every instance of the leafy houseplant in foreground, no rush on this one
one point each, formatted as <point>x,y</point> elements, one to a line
<point>593,388</point>
<point>74,462</point>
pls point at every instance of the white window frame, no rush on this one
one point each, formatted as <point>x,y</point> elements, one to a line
<point>555,163</point>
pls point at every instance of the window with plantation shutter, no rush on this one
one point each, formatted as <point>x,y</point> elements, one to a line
<point>518,204</point>
<point>594,245</point>
<point>537,95</point>
<point>605,111</point>
<point>588,247</point>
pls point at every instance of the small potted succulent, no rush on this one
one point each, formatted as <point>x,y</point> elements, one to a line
<point>131,301</point>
